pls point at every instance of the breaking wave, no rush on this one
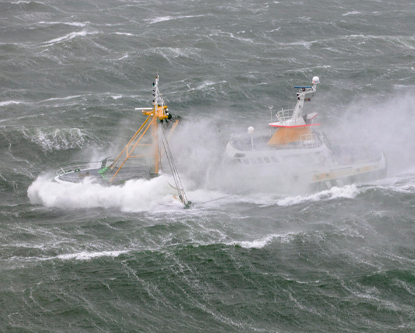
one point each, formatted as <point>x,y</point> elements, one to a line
<point>349,192</point>
<point>133,196</point>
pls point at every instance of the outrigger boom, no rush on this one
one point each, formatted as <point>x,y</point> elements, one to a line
<point>155,115</point>
<point>117,171</point>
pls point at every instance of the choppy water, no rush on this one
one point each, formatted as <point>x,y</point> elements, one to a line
<point>87,258</point>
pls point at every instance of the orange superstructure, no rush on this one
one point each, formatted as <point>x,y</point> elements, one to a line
<point>284,136</point>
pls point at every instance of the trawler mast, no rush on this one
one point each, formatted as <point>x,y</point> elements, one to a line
<point>117,171</point>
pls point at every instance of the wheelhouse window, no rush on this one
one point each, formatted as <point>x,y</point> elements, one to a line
<point>274,159</point>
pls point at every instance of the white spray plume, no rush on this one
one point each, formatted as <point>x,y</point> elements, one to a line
<point>199,151</point>
<point>133,196</point>
<point>390,124</point>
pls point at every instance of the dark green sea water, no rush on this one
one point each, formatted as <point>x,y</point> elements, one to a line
<point>90,258</point>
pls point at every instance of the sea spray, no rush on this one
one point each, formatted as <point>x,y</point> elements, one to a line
<point>133,196</point>
<point>348,191</point>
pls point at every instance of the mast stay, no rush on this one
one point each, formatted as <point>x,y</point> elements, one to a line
<point>173,168</point>
<point>154,122</point>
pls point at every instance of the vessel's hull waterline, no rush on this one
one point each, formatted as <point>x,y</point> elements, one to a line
<point>303,177</point>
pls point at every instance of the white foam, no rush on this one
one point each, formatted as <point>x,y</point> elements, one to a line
<point>61,98</point>
<point>205,85</point>
<point>351,13</point>
<point>90,255</point>
<point>10,103</point>
<point>168,18</point>
<point>349,191</point>
<point>28,2</point>
<point>134,196</point>
<point>124,33</point>
<point>116,96</point>
<point>69,37</point>
<point>264,241</point>
<point>75,24</point>
<point>401,183</point>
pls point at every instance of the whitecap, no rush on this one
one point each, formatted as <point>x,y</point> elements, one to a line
<point>10,103</point>
<point>69,37</point>
<point>168,18</point>
<point>90,255</point>
<point>351,13</point>
<point>28,2</point>
<point>207,84</point>
<point>124,33</point>
<point>61,98</point>
<point>349,191</point>
<point>264,241</point>
<point>123,57</point>
<point>75,24</point>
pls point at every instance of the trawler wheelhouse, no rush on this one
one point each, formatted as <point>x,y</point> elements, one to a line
<point>297,150</point>
<point>293,142</point>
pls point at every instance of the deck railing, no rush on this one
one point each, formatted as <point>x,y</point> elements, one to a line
<point>310,140</point>
<point>78,166</point>
<point>285,115</point>
<point>260,140</point>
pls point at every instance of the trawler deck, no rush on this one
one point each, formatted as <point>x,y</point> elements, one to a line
<point>78,172</point>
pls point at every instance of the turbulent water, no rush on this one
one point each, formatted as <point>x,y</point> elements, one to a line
<point>91,258</point>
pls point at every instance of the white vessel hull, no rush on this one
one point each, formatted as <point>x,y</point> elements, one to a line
<point>298,154</point>
<point>309,168</point>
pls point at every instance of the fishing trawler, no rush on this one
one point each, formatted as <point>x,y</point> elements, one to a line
<point>140,158</point>
<point>299,152</point>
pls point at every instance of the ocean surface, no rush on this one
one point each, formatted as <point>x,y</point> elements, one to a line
<point>91,258</point>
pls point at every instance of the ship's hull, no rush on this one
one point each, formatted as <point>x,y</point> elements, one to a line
<point>340,175</point>
<point>305,168</point>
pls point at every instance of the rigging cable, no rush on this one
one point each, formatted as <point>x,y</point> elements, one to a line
<point>176,176</point>
<point>227,196</point>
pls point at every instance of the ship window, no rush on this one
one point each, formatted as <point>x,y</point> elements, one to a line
<point>245,161</point>
<point>260,160</point>
<point>253,161</point>
<point>274,159</point>
<point>267,160</point>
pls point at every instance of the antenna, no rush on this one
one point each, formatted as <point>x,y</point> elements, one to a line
<point>270,110</point>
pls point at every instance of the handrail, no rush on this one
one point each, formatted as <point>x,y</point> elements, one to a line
<point>310,140</point>
<point>285,115</point>
<point>313,140</point>
<point>77,166</point>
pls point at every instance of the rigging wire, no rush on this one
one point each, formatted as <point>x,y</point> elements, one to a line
<point>175,173</point>
<point>227,196</point>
